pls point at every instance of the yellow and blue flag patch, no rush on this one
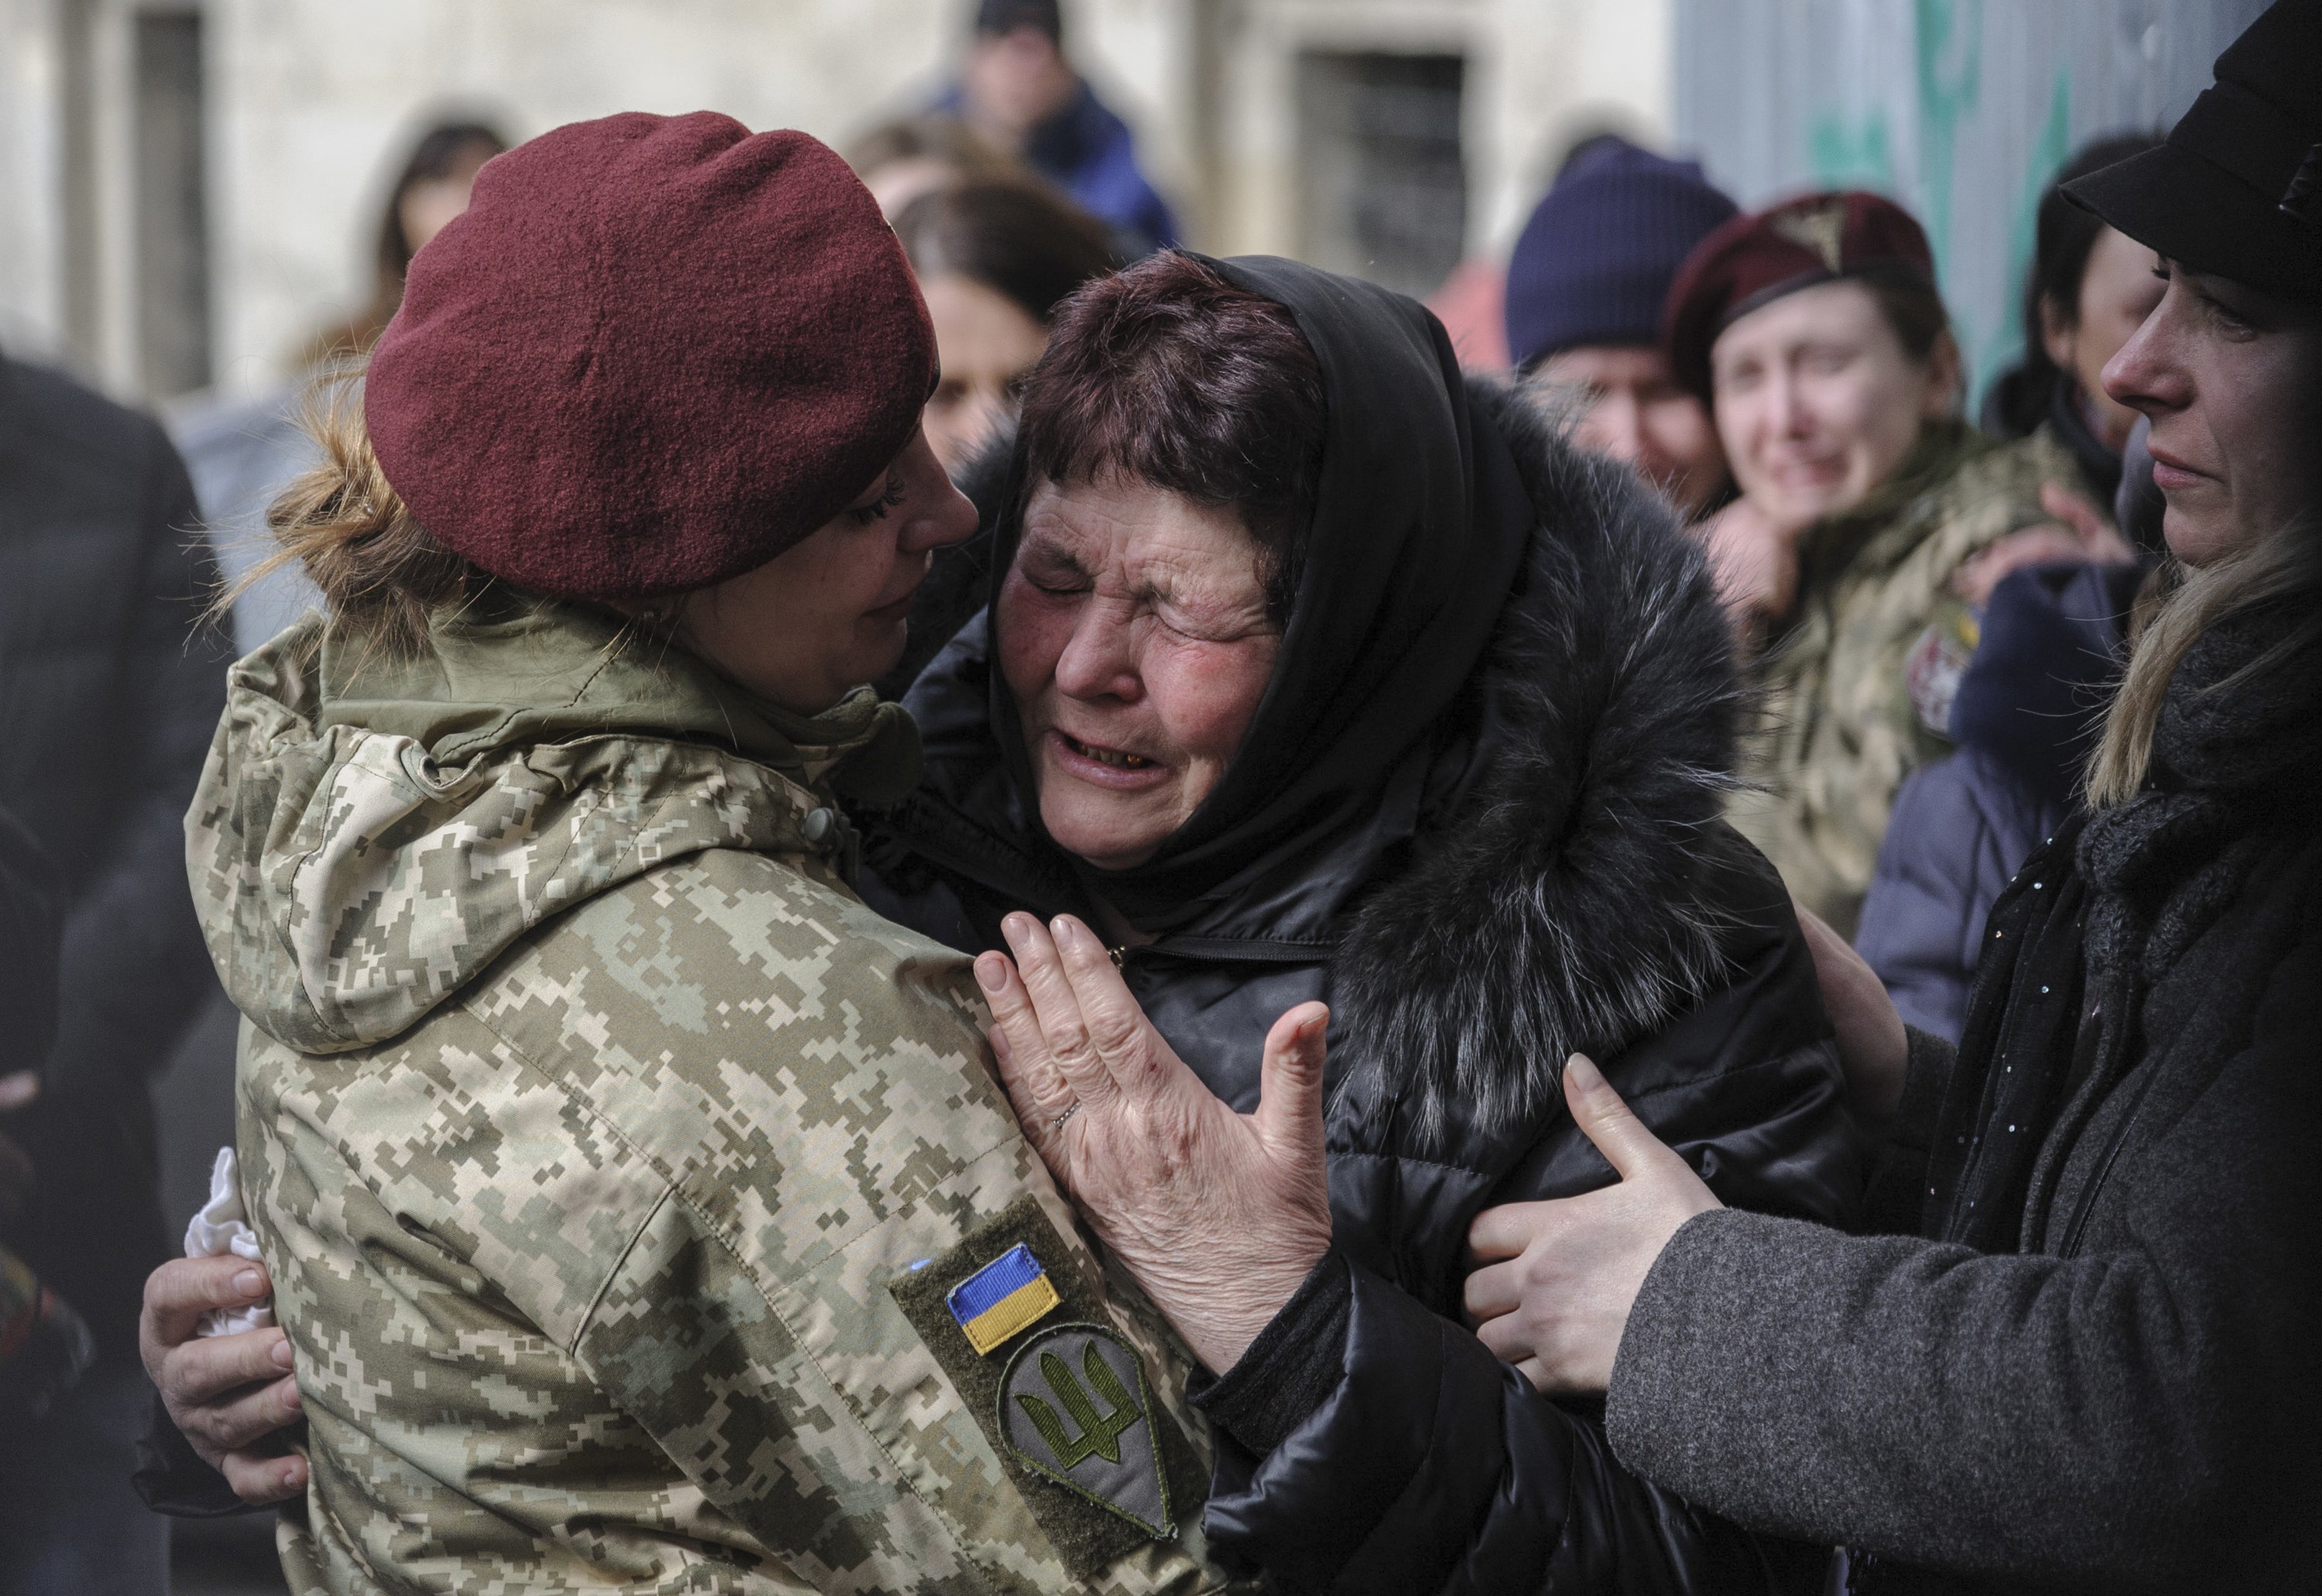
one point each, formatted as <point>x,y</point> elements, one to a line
<point>1004,1297</point>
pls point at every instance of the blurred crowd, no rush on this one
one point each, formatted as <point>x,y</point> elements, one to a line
<point>1931,611</point>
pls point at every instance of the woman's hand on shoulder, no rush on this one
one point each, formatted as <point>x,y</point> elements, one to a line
<point>1562,1275</point>
<point>1873,1052</point>
<point>1755,560</point>
<point>1219,1216</point>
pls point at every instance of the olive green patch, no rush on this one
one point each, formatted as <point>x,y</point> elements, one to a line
<point>1074,1407</point>
<point>1090,1534</point>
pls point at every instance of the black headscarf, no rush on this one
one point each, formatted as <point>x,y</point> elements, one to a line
<point>1421,522</point>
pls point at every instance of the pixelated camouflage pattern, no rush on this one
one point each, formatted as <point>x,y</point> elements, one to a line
<point>1839,731</point>
<point>585,1115</point>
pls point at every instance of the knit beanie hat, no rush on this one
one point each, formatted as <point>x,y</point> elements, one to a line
<point>655,352</point>
<point>1595,261</point>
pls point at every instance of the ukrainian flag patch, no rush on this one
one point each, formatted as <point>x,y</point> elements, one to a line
<point>1005,1296</point>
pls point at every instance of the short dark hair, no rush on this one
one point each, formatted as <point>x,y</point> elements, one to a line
<point>1911,305</point>
<point>1168,373</point>
<point>1019,239</point>
<point>1005,16</point>
<point>2065,236</point>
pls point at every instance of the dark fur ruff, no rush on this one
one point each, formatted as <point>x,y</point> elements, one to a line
<point>1560,910</point>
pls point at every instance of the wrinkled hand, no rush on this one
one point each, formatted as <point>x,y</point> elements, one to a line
<point>1872,1050</point>
<point>1219,1216</point>
<point>1557,1306</point>
<point>228,1393</point>
<point>2080,531</point>
<point>1755,560</point>
<point>17,1091</point>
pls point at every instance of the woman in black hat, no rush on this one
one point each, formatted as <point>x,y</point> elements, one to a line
<point>2092,1366</point>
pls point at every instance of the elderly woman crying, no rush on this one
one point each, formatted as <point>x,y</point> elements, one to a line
<point>1313,673</point>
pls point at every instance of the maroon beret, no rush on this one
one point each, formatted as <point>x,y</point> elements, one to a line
<point>1753,260</point>
<point>655,352</point>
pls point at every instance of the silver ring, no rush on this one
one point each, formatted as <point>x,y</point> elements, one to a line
<point>1057,1124</point>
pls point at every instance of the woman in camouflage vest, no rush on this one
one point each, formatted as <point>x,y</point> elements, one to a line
<point>1872,521</point>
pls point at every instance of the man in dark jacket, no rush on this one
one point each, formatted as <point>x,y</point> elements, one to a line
<point>109,692</point>
<point>1019,91</point>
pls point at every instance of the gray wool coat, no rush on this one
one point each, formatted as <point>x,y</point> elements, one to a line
<point>2098,1367</point>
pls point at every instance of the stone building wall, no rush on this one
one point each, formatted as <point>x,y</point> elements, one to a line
<point>305,105</point>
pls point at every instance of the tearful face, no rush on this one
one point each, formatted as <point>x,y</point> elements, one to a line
<point>1134,634</point>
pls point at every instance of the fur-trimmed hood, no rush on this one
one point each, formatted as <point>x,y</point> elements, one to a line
<point>1559,905</point>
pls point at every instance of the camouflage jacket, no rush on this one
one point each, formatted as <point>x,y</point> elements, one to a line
<point>620,1173</point>
<point>1840,731</point>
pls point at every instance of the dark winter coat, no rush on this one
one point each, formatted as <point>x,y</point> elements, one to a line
<point>109,691</point>
<point>2102,1372</point>
<point>2025,718</point>
<point>1554,878</point>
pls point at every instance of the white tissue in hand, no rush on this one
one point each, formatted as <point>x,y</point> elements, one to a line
<point>222,1226</point>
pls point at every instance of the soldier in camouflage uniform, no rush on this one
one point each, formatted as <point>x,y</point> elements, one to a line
<point>1865,534</point>
<point>641,1208</point>
<point>1878,614</point>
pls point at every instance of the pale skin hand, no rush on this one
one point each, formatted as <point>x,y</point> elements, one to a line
<point>1754,558</point>
<point>1219,1216</point>
<point>2080,531</point>
<point>1563,1275</point>
<point>229,1394</point>
<point>1872,1050</point>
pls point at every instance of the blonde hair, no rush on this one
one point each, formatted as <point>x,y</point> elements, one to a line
<point>382,577</point>
<point>2280,565</point>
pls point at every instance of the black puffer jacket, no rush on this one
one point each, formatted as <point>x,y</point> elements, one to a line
<point>1550,876</point>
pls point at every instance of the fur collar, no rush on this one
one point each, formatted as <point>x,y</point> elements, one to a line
<point>1557,905</point>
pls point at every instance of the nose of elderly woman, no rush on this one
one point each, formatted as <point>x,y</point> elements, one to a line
<point>1100,656</point>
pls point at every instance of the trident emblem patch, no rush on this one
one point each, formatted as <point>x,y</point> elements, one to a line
<point>1074,1408</point>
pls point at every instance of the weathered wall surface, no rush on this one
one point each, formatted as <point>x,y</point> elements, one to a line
<point>1961,109</point>
<point>308,103</point>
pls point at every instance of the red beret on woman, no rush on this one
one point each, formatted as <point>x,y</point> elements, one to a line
<point>1756,258</point>
<point>710,346</point>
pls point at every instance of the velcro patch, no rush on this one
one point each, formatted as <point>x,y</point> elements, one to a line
<point>1091,1516</point>
<point>1074,1407</point>
<point>1009,1295</point>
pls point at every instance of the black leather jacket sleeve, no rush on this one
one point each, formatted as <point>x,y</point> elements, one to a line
<point>1435,1466</point>
<point>1423,1463</point>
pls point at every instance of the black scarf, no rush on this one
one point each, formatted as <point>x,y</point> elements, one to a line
<point>1420,523</point>
<point>2235,750</point>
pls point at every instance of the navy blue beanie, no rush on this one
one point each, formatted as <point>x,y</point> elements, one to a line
<point>1597,256</point>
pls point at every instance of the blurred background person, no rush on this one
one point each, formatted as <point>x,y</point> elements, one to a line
<point>44,1346</point>
<point>1850,560</point>
<point>241,454</point>
<point>902,160</point>
<point>1019,89</point>
<point>995,257</point>
<point>2089,287</point>
<point>109,693</point>
<point>2049,641</point>
<point>1584,291</point>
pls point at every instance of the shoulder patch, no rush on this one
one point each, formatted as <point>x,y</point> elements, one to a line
<point>1074,1408</point>
<point>1008,1295</point>
<point>1095,1509</point>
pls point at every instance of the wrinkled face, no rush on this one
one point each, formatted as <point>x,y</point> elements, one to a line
<point>986,343</point>
<point>1134,635</point>
<point>2232,379</point>
<point>828,614</point>
<point>2117,291</point>
<point>1818,402</point>
<point>1633,409</point>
